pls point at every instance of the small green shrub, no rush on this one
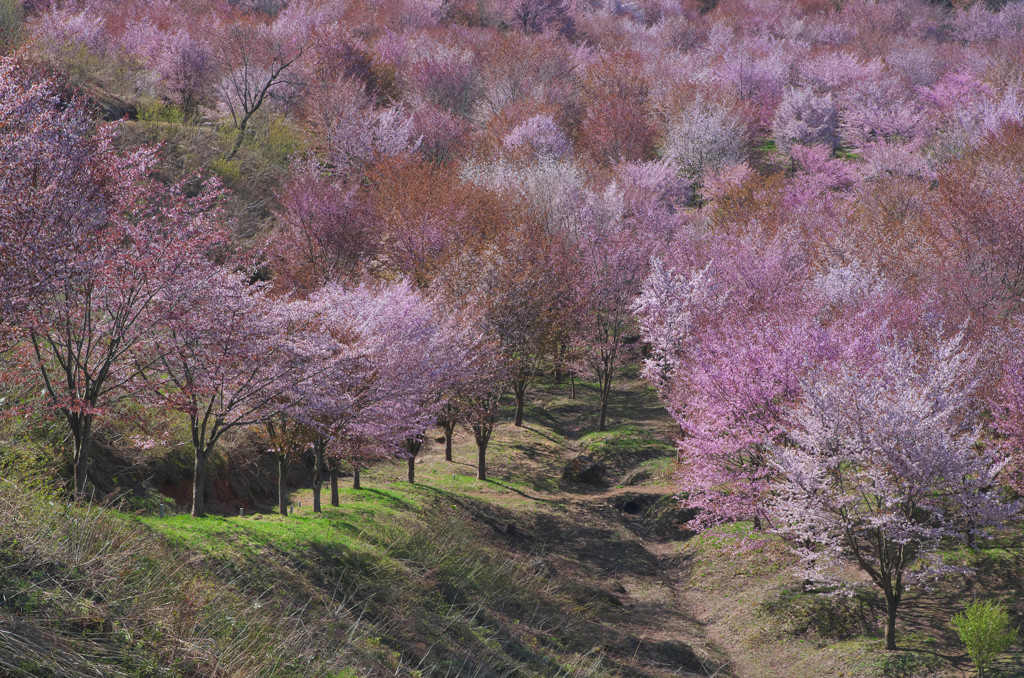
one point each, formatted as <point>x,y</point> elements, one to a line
<point>984,627</point>
<point>154,111</point>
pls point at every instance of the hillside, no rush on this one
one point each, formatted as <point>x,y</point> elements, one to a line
<point>522,575</point>
<point>723,301</point>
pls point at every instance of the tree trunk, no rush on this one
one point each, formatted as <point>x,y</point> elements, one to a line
<point>318,478</point>
<point>334,485</point>
<point>413,445</point>
<point>559,360</point>
<point>282,505</point>
<point>355,479</point>
<point>519,388</point>
<point>449,430</point>
<point>239,136</point>
<point>892,603</point>
<point>481,460</point>
<point>83,440</point>
<point>572,385</point>
<point>199,485</point>
<point>606,390</point>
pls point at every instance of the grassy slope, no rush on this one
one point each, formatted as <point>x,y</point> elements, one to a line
<point>523,575</point>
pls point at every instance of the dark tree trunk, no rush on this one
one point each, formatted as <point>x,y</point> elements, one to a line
<point>559,362</point>
<point>318,477</point>
<point>482,433</point>
<point>334,485</point>
<point>519,388</point>
<point>447,421</point>
<point>606,390</point>
<point>890,629</point>
<point>282,505</point>
<point>892,603</point>
<point>355,479</point>
<point>199,485</point>
<point>82,465</point>
<point>572,385</point>
<point>81,431</point>
<point>449,431</point>
<point>412,447</point>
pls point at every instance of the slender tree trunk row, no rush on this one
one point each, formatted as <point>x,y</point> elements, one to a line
<point>319,449</point>
<point>282,502</point>
<point>449,431</point>
<point>83,441</point>
<point>199,485</point>
<point>519,388</point>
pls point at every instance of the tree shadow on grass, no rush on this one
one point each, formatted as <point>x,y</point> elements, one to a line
<point>520,492</point>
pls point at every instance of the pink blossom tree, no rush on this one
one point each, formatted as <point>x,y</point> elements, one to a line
<point>259,68</point>
<point>404,359</point>
<point>1007,403</point>
<point>231,361</point>
<point>188,67</point>
<point>479,401</point>
<point>289,438</point>
<point>805,117</point>
<point>95,254</point>
<point>612,254</point>
<point>393,330</point>
<point>882,466</point>
<point>730,336</point>
<point>324,234</point>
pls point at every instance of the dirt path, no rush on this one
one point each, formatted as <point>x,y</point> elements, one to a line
<point>672,606</point>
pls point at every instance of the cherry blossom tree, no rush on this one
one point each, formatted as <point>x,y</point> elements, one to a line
<point>882,464</point>
<point>730,336</point>
<point>705,137</point>
<point>288,440</point>
<point>480,402</point>
<point>230,361</point>
<point>1007,402</point>
<point>95,255</point>
<point>807,118</point>
<point>401,358</point>
<point>612,253</point>
<point>324,233</point>
<point>521,284</point>
<point>536,16</point>
<point>258,63</point>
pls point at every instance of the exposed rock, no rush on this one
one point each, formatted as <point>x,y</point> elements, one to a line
<point>656,514</point>
<point>584,469</point>
<point>111,106</point>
